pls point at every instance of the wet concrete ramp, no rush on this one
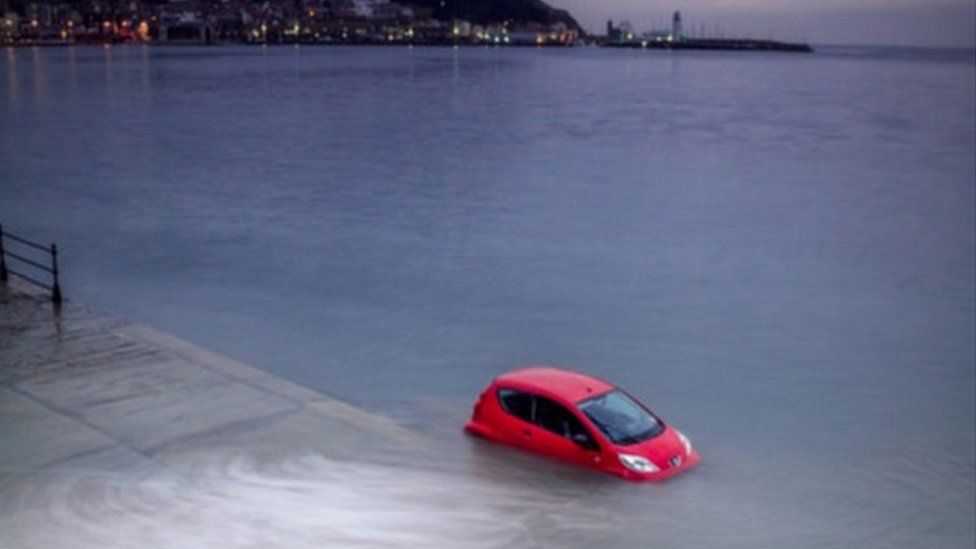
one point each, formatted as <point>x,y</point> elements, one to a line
<point>115,435</point>
<point>75,385</point>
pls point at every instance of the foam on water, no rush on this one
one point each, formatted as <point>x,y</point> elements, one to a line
<point>230,501</point>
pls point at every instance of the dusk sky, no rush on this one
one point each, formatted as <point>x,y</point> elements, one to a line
<point>889,22</point>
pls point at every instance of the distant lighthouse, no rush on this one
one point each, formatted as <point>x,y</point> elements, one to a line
<point>676,27</point>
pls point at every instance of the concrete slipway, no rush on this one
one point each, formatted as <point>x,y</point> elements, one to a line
<point>80,389</point>
<point>113,434</point>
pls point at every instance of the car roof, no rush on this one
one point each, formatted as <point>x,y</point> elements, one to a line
<point>566,384</point>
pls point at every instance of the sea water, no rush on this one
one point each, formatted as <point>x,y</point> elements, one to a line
<point>774,251</point>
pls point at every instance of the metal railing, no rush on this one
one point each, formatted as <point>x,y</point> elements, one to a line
<point>25,247</point>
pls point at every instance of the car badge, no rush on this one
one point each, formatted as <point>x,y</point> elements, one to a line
<point>675,461</point>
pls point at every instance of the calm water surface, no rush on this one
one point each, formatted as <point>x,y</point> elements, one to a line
<point>775,251</point>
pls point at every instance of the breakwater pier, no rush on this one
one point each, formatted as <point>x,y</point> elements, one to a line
<point>719,44</point>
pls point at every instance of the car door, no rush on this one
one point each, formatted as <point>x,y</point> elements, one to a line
<point>557,428</point>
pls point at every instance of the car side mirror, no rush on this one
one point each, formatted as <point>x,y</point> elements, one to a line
<point>581,439</point>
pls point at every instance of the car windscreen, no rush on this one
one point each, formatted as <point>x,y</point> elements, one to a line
<point>620,418</point>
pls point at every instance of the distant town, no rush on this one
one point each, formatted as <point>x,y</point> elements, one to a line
<point>373,22</point>
<point>268,22</point>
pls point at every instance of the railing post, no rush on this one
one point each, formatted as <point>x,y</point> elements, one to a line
<point>56,289</point>
<point>3,259</point>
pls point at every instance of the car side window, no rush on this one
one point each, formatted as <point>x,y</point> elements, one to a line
<point>553,417</point>
<point>517,403</point>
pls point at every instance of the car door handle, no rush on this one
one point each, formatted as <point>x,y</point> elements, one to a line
<point>527,433</point>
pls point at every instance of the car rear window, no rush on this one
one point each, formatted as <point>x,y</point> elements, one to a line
<point>517,403</point>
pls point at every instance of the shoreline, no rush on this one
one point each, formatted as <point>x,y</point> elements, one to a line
<point>692,44</point>
<point>116,434</point>
<point>77,387</point>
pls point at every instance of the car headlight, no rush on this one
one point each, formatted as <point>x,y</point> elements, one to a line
<point>638,464</point>
<point>686,442</point>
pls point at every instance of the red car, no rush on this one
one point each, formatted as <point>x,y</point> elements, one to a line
<point>580,419</point>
